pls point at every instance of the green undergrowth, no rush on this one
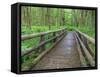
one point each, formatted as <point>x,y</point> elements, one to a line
<point>28,59</point>
<point>85,29</point>
<point>88,30</point>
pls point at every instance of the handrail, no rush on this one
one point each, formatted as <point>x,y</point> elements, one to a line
<point>30,36</point>
<point>42,43</point>
<point>88,55</point>
<point>85,41</point>
<point>42,40</point>
<point>90,39</point>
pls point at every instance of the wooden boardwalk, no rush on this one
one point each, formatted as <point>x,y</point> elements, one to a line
<point>63,55</point>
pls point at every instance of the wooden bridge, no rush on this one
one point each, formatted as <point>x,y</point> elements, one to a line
<point>68,50</point>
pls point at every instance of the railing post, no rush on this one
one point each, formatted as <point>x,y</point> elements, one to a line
<point>54,34</point>
<point>63,31</point>
<point>58,34</point>
<point>79,35</point>
<point>42,39</point>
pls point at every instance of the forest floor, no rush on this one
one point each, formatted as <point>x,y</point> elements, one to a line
<point>64,55</point>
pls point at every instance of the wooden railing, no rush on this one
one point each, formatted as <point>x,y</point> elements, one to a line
<point>56,35</point>
<point>87,52</point>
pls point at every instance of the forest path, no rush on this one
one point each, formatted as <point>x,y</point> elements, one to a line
<point>63,55</point>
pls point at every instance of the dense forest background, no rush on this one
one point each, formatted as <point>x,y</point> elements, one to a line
<point>42,19</point>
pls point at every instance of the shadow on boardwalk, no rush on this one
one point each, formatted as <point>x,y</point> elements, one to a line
<point>63,55</point>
